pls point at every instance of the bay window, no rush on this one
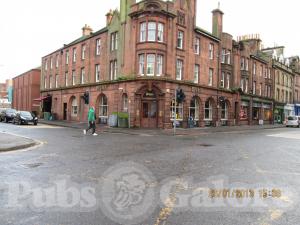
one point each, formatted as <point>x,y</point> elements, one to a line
<point>160,32</point>
<point>150,64</point>
<point>159,65</point>
<point>151,31</point>
<point>142,64</point>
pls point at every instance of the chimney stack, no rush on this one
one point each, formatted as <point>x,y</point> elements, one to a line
<point>86,30</point>
<point>217,23</point>
<point>109,16</point>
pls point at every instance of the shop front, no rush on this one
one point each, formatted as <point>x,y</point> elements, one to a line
<point>278,113</point>
<point>244,113</point>
<point>268,115</point>
<point>297,109</point>
<point>289,110</point>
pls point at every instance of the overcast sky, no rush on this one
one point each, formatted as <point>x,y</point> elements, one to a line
<point>31,29</point>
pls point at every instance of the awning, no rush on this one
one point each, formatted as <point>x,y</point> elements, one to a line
<point>41,98</point>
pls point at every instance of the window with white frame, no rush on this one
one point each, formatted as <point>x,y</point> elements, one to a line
<point>246,85</point>
<point>224,110</point>
<point>223,58</point>
<point>178,113</point>
<point>196,74</point>
<point>50,81</point>
<point>82,76</point>
<point>98,46</point>
<point>228,80</point>
<point>242,63</point>
<point>57,59</point>
<point>125,102</point>
<point>45,83</point>
<point>150,64</point>
<point>51,63</point>
<point>143,28</point>
<point>208,110</point>
<point>66,79</point>
<point>254,68</point>
<point>254,87</point>
<point>74,54</point>
<point>113,69</point>
<point>222,82</point>
<point>261,71</point>
<point>142,64</point>
<point>246,64</point>
<point>180,39</point>
<point>210,77</point>
<point>179,69</point>
<point>197,45</point>
<point>67,57</point>
<point>73,77</point>
<point>74,111</point>
<point>97,72</point>
<point>159,65</point>
<point>242,84</point>
<point>260,89</point>
<point>46,64</point>
<point>266,72</point>
<point>269,73</point>
<point>114,41</point>
<point>160,32</point>
<point>56,81</point>
<point>194,109</point>
<point>152,31</point>
<point>103,107</point>
<point>211,51</point>
<point>83,50</point>
<point>229,57</point>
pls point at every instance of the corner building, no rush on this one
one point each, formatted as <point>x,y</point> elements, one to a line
<point>147,50</point>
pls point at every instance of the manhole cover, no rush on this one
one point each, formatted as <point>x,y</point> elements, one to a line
<point>205,145</point>
<point>32,165</point>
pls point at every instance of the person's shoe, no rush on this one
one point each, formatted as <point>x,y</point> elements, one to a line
<point>95,134</point>
<point>84,131</point>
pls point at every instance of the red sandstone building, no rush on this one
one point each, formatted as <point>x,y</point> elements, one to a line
<point>26,88</point>
<point>147,50</point>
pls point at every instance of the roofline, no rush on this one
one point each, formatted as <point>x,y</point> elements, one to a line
<point>35,69</point>
<point>259,59</point>
<point>101,31</point>
<point>207,34</point>
<point>265,49</point>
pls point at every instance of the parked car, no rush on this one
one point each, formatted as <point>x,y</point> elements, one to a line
<point>293,121</point>
<point>24,117</point>
<point>7,115</point>
<point>1,112</point>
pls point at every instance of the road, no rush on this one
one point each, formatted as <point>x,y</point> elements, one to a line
<point>234,178</point>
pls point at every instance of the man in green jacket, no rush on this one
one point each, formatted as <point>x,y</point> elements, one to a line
<point>92,121</point>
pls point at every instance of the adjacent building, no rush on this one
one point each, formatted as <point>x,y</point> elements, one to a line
<point>26,91</point>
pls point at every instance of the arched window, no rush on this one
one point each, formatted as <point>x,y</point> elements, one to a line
<point>74,111</point>
<point>224,110</point>
<point>194,109</point>
<point>208,111</point>
<point>103,107</point>
<point>125,103</point>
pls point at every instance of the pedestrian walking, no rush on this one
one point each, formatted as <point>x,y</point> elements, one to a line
<point>92,121</point>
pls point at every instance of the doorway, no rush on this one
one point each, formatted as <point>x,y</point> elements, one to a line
<point>65,111</point>
<point>149,114</point>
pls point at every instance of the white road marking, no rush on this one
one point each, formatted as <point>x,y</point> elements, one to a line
<point>288,135</point>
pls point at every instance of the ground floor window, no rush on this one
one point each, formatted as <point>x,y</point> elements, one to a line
<point>194,109</point>
<point>244,111</point>
<point>103,107</point>
<point>224,111</point>
<point>125,103</point>
<point>178,112</point>
<point>255,113</point>
<point>74,110</point>
<point>208,110</point>
<point>267,114</point>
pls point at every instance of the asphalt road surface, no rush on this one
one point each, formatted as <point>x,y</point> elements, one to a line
<point>234,178</point>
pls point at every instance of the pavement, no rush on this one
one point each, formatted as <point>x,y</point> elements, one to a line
<point>10,142</point>
<point>119,178</point>
<point>179,131</point>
